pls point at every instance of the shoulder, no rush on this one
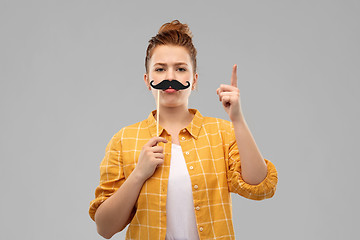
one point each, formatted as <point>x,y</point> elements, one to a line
<point>219,129</point>
<point>213,126</point>
<point>132,130</point>
<point>217,123</point>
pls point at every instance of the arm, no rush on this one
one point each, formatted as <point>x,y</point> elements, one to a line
<point>113,214</point>
<point>113,207</point>
<point>264,186</point>
<point>253,166</point>
<point>249,174</point>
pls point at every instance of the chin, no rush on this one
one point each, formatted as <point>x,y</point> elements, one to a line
<point>172,104</point>
<point>169,105</point>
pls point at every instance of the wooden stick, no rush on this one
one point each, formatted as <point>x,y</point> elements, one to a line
<point>157,113</point>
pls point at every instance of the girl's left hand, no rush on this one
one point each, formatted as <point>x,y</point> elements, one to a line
<point>229,95</point>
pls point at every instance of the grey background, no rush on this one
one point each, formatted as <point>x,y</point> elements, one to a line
<point>72,76</point>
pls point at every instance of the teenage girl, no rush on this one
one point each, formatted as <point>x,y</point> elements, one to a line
<point>177,184</point>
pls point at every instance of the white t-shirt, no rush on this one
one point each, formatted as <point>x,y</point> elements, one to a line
<point>180,214</point>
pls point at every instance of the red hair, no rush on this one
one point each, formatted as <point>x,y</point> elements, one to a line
<point>173,33</point>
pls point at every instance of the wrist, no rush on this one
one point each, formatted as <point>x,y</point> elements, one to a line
<point>239,120</point>
<point>137,176</point>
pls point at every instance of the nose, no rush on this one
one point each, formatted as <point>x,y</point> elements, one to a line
<point>170,74</point>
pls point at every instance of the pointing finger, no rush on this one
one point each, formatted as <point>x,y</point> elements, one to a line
<point>234,76</point>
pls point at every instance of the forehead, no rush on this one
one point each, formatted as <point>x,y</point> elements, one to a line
<point>170,55</point>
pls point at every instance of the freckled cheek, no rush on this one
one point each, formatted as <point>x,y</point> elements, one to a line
<point>156,79</point>
<point>186,92</point>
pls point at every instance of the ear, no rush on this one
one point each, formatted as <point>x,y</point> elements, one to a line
<point>146,79</point>
<point>194,85</point>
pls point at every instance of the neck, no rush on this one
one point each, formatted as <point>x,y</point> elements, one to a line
<point>175,116</point>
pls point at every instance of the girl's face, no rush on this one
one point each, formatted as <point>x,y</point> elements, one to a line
<point>168,63</point>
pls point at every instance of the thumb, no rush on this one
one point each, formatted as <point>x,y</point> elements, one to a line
<point>154,141</point>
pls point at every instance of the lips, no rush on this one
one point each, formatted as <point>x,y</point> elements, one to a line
<point>170,90</point>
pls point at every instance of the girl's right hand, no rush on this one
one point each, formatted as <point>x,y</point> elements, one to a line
<point>150,157</point>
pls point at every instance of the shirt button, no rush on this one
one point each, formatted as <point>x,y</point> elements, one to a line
<point>197,208</point>
<point>191,167</point>
<point>196,186</point>
<point>187,153</point>
<point>201,229</point>
<point>183,138</point>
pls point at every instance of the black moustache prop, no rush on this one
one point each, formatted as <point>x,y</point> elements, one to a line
<point>174,84</point>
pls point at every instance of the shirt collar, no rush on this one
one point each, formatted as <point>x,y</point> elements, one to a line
<point>193,128</point>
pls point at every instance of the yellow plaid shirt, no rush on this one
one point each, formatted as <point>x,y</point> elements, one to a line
<point>213,161</point>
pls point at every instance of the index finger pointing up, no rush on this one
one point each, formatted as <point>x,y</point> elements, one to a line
<point>234,76</point>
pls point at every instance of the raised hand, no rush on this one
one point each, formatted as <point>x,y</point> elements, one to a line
<point>229,95</point>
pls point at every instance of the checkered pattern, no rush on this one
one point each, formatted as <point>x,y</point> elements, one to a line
<point>213,161</point>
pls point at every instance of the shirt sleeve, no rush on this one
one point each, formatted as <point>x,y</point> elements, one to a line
<point>111,174</point>
<point>263,190</point>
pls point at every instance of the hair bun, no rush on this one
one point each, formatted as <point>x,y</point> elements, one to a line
<point>177,26</point>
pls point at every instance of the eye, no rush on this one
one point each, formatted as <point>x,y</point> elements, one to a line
<point>182,69</point>
<point>159,69</point>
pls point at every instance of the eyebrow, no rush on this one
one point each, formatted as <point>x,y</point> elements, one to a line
<point>176,64</point>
